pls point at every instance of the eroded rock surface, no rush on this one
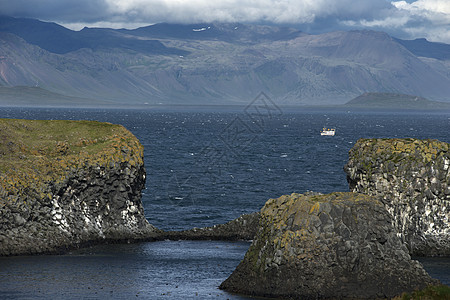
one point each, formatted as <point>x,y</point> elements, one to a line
<point>340,245</point>
<point>411,177</point>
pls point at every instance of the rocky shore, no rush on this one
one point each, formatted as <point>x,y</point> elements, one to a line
<point>242,228</point>
<point>67,184</point>
<point>411,177</point>
<point>64,184</point>
<point>339,246</point>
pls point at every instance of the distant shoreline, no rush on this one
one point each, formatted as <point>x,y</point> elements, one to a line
<point>232,108</point>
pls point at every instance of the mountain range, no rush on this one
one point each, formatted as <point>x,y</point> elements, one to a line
<point>215,64</point>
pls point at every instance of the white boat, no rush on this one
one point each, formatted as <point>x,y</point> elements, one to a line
<point>330,132</point>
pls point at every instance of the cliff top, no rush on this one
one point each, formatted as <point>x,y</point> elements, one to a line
<point>397,149</point>
<point>34,152</point>
<point>281,209</point>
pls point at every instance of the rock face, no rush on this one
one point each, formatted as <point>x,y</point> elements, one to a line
<point>411,177</point>
<point>68,183</point>
<point>340,245</point>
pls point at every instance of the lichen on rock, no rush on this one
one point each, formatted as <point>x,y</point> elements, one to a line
<point>340,245</point>
<point>411,177</point>
<point>68,183</point>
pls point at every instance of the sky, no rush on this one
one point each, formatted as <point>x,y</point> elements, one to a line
<point>403,19</point>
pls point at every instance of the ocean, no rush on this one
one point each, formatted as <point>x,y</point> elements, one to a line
<point>206,166</point>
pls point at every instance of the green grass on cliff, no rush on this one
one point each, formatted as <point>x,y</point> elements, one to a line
<point>23,141</point>
<point>395,150</point>
<point>433,292</point>
<point>33,152</point>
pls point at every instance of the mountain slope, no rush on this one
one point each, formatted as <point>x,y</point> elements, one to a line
<point>58,39</point>
<point>84,74</point>
<point>36,96</point>
<point>219,64</point>
<point>362,61</point>
<point>228,32</point>
<point>424,48</point>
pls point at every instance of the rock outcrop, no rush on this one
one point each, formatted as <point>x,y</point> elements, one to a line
<point>68,183</point>
<point>341,245</point>
<point>242,228</point>
<point>411,177</point>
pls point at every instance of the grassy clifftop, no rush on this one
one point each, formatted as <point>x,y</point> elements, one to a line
<point>36,153</point>
<point>395,150</point>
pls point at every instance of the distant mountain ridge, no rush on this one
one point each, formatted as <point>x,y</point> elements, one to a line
<point>395,101</point>
<point>229,32</point>
<point>58,39</point>
<point>217,63</point>
<point>424,48</point>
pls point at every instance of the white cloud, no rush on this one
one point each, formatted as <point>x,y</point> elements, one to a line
<point>438,34</point>
<point>281,11</point>
<point>276,11</point>
<point>420,18</point>
<point>103,24</point>
<point>425,7</point>
<point>388,22</point>
<point>434,12</point>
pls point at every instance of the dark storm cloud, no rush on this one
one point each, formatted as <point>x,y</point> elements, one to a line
<point>56,10</point>
<point>412,18</point>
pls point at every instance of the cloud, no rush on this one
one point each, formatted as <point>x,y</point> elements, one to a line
<point>412,18</point>
<point>275,11</point>
<point>434,11</point>
<point>425,7</point>
<point>189,11</point>
<point>421,18</point>
<point>56,10</point>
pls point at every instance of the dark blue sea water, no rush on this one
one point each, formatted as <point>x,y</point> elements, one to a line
<point>204,167</point>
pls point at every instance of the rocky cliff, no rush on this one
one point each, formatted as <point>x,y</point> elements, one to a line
<point>411,177</point>
<point>68,183</point>
<point>339,246</point>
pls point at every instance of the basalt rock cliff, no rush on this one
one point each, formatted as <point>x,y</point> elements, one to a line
<point>411,177</point>
<point>341,245</point>
<point>68,183</point>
